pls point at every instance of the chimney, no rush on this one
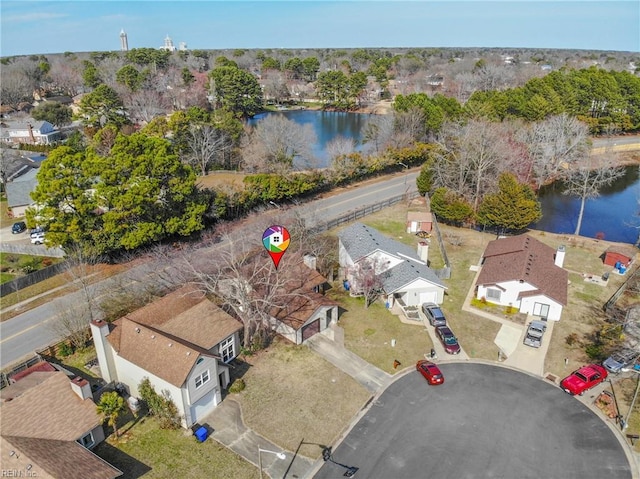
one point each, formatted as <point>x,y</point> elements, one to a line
<point>99,332</point>
<point>559,258</point>
<point>310,261</point>
<point>423,251</point>
<point>31,135</point>
<point>81,387</point>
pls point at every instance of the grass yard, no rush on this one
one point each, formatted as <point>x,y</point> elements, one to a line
<point>368,333</point>
<point>5,219</point>
<point>217,179</point>
<point>13,265</point>
<point>145,450</point>
<point>292,394</point>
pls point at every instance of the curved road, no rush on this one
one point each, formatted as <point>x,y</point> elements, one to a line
<point>485,421</point>
<point>22,335</point>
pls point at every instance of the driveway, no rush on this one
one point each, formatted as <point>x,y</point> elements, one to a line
<point>484,421</point>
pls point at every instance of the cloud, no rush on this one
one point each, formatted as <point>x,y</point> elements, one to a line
<point>33,17</point>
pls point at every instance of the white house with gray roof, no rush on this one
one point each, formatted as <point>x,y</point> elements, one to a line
<point>404,274</point>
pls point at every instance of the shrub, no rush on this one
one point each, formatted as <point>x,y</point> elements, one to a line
<point>65,350</point>
<point>159,405</point>
<point>237,386</point>
<point>571,339</point>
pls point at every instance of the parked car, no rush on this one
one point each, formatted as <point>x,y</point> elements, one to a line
<point>583,379</point>
<point>430,372</point>
<point>37,238</point>
<point>620,360</point>
<point>18,227</point>
<point>35,231</point>
<point>448,339</point>
<point>535,331</point>
<point>434,314</point>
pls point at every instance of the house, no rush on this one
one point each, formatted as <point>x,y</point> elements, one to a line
<point>19,192</point>
<point>181,342</point>
<point>404,274</point>
<point>30,131</point>
<point>306,310</point>
<point>524,273</point>
<point>620,254</point>
<point>48,424</point>
<point>419,221</point>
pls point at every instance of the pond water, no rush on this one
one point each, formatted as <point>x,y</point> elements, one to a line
<point>613,216</point>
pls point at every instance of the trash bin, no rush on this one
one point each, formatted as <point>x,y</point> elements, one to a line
<point>201,434</point>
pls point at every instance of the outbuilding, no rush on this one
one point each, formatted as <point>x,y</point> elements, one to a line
<point>620,254</point>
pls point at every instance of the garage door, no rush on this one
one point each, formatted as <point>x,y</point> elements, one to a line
<point>203,406</point>
<point>429,297</point>
<point>310,329</point>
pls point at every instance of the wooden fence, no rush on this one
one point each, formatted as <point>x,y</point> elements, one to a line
<point>22,282</point>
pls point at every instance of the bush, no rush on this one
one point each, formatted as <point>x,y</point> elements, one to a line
<point>571,339</point>
<point>65,350</point>
<point>237,386</point>
<point>159,405</point>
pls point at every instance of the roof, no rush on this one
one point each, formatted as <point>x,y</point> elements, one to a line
<point>15,164</point>
<point>163,355</point>
<point>49,410</point>
<point>188,314</point>
<point>41,366</point>
<point>24,125</point>
<point>19,190</point>
<point>51,458</point>
<point>628,251</point>
<point>523,258</point>
<point>422,216</point>
<point>300,307</point>
<point>360,241</point>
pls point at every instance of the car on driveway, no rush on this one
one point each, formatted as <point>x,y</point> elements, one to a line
<point>448,339</point>
<point>535,331</point>
<point>583,379</point>
<point>18,227</point>
<point>434,314</point>
<point>430,372</point>
<point>37,238</point>
<point>620,360</point>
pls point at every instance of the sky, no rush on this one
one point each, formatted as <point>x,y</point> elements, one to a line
<point>54,26</point>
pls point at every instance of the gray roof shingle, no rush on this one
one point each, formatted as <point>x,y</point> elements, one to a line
<point>360,240</point>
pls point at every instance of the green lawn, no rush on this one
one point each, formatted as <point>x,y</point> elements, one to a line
<point>13,265</point>
<point>145,450</point>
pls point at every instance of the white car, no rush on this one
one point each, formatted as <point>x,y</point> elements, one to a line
<point>37,238</point>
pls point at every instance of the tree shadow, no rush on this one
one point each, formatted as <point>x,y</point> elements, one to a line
<point>237,369</point>
<point>130,466</point>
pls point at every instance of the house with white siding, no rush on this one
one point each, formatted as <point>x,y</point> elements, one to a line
<point>182,342</point>
<point>31,131</point>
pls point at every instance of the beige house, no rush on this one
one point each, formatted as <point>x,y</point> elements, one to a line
<point>182,343</point>
<point>48,424</point>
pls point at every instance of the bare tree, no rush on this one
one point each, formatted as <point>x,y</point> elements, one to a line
<point>65,76</point>
<point>340,146</point>
<point>276,143</point>
<point>586,179</point>
<point>205,143</point>
<point>379,132</point>
<point>72,322</point>
<point>16,86</point>
<point>366,279</point>
<point>555,145</point>
<point>145,104</point>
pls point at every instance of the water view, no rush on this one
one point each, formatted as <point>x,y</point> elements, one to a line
<point>613,216</point>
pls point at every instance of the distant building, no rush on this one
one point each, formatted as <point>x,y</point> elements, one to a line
<point>168,44</point>
<point>124,43</point>
<point>182,46</point>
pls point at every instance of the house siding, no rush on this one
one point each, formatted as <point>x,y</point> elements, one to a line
<point>510,291</point>
<point>411,293</point>
<point>193,395</point>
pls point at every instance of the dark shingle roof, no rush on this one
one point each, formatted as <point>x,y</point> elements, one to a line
<point>360,240</point>
<point>19,190</point>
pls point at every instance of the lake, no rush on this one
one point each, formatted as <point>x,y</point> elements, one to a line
<point>613,216</point>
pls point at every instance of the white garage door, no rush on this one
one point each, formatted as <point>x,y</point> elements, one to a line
<point>203,406</point>
<point>428,297</point>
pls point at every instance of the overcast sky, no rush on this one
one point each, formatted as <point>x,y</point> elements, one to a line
<point>57,26</point>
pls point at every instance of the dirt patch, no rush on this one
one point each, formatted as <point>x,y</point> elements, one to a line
<point>218,179</point>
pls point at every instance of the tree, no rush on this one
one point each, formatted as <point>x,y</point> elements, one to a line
<point>424,181</point>
<point>451,207</point>
<point>366,278</point>
<point>110,406</point>
<point>277,143</point>
<point>586,179</point>
<point>310,65</point>
<point>130,76</point>
<point>102,106</point>
<point>52,111</point>
<point>90,75</point>
<point>205,143</point>
<point>160,405</point>
<point>237,90</point>
<point>513,207</point>
<point>332,88</point>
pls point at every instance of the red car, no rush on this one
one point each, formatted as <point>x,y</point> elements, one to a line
<point>584,379</point>
<point>430,371</point>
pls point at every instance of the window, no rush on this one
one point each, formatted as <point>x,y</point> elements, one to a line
<point>493,294</point>
<point>87,441</point>
<point>203,378</point>
<point>227,350</point>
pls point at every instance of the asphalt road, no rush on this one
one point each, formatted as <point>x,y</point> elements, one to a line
<point>31,330</point>
<point>484,422</point>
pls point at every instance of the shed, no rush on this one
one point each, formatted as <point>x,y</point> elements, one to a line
<point>419,221</point>
<point>619,253</point>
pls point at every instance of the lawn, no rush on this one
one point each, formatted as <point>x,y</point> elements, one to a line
<point>5,219</point>
<point>13,265</point>
<point>293,394</point>
<point>145,450</point>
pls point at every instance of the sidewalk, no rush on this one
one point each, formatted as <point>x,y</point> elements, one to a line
<point>229,429</point>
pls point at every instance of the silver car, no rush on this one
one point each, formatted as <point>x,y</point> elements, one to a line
<point>621,360</point>
<point>535,331</point>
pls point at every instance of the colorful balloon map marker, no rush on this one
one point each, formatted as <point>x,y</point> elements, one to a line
<point>276,241</point>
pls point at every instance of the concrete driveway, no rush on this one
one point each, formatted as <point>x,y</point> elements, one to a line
<point>484,421</point>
